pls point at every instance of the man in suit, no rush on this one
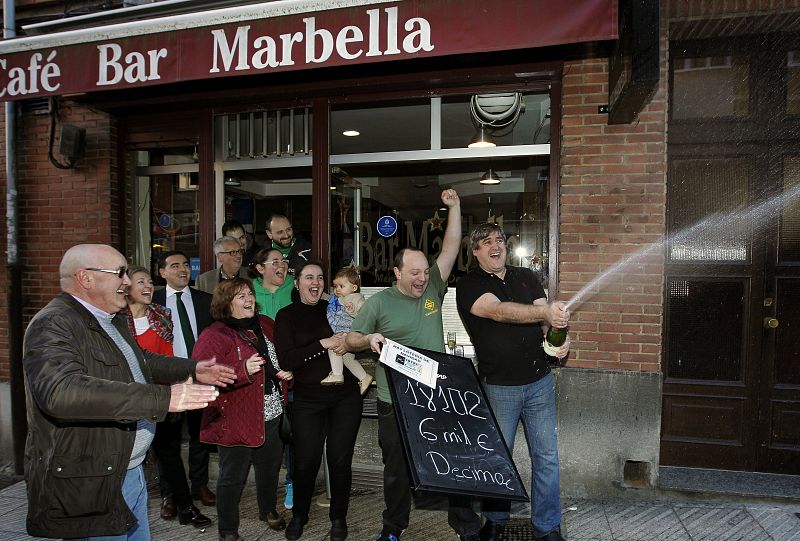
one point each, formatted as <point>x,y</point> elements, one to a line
<point>229,253</point>
<point>189,318</point>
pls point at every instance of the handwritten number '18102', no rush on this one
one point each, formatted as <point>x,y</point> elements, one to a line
<point>450,399</point>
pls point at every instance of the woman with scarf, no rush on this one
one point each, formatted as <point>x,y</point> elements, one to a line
<point>243,421</point>
<point>151,324</point>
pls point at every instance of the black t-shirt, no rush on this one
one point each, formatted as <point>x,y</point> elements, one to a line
<point>508,353</point>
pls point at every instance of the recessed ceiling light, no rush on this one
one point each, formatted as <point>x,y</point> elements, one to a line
<point>351,133</point>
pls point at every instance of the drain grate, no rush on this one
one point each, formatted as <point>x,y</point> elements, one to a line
<point>517,529</point>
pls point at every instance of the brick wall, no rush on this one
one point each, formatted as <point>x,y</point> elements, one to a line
<point>58,208</point>
<point>612,208</point>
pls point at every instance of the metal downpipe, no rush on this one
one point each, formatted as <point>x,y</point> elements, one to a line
<point>19,425</point>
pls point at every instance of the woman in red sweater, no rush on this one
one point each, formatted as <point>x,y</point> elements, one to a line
<point>151,324</point>
<point>243,421</point>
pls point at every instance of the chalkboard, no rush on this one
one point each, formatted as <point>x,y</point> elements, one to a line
<point>450,434</point>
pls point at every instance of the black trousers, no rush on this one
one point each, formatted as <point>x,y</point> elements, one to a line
<point>234,465</point>
<point>397,485</point>
<point>314,418</point>
<point>167,447</point>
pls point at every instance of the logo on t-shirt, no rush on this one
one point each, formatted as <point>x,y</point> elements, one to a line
<point>430,306</point>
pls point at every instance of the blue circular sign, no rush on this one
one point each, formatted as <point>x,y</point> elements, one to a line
<point>387,226</point>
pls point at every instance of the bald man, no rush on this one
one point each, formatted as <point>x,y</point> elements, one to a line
<point>92,404</point>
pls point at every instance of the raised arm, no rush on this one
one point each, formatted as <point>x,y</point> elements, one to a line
<point>452,234</point>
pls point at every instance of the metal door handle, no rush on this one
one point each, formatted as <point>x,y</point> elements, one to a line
<point>771,323</point>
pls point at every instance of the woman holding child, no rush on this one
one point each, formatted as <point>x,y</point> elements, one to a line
<point>303,338</point>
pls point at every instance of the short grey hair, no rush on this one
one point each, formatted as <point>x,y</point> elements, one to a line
<point>219,244</point>
<point>483,231</point>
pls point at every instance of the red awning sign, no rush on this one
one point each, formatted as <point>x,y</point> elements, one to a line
<point>352,35</point>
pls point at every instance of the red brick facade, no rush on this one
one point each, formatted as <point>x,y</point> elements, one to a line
<point>58,208</point>
<point>612,201</point>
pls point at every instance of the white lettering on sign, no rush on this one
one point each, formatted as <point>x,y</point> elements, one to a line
<point>23,81</point>
<point>320,43</point>
<point>442,466</point>
<point>136,67</point>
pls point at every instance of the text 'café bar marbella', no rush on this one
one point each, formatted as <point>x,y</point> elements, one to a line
<point>147,125</point>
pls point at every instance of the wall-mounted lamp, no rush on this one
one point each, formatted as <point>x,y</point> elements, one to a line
<point>490,177</point>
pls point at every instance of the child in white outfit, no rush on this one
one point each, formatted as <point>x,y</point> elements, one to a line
<point>342,310</point>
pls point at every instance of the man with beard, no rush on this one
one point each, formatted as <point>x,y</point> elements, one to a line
<point>294,249</point>
<point>410,313</point>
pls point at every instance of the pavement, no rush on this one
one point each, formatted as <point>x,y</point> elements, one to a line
<point>682,518</point>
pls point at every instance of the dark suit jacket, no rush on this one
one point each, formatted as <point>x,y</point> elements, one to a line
<point>201,302</point>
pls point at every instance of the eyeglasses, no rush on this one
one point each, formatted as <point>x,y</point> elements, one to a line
<point>234,252</point>
<point>276,262</point>
<point>120,272</point>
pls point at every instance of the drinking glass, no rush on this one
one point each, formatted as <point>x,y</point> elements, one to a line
<point>451,342</point>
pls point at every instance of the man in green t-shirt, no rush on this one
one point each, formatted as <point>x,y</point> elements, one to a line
<point>410,312</point>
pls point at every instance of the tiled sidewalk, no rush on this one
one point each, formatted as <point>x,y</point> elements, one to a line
<point>584,520</point>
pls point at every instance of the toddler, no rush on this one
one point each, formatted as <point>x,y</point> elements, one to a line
<point>342,310</point>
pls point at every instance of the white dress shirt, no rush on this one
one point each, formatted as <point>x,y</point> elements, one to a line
<point>178,344</point>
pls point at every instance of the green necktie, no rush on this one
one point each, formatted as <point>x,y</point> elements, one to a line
<point>186,326</point>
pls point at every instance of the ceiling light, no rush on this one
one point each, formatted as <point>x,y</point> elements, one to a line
<point>489,177</point>
<point>230,181</point>
<point>351,133</point>
<point>333,188</point>
<point>482,139</point>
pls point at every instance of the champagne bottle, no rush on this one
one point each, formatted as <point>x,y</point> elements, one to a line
<point>556,337</point>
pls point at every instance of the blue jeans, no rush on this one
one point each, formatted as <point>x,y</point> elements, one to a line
<point>535,404</point>
<point>134,490</point>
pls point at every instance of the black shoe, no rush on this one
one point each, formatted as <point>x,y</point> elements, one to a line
<point>338,530</point>
<point>555,535</point>
<point>491,531</point>
<point>295,528</point>
<point>193,516</point>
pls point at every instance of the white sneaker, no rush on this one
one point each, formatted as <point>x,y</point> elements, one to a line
<point>333,379</point>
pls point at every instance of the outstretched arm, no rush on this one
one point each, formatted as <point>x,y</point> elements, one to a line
<point>490,307</point>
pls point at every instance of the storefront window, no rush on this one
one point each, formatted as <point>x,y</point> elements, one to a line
<point>167,204</point>
<point>509,118</point>
<point>410,194</point>
<point>253,195</point>
<point>389,126</point>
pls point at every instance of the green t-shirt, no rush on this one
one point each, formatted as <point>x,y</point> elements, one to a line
<point>270,303</point>
<point>407,320</point>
